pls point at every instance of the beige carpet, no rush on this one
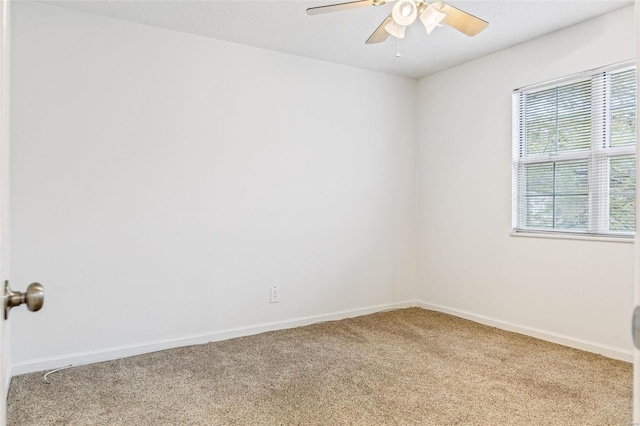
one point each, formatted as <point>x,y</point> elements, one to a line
<point>406,367</point>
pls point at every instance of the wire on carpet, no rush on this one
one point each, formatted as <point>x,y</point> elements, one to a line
<point>53,371</point>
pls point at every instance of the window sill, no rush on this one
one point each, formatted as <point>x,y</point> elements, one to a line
<point>559,236</point>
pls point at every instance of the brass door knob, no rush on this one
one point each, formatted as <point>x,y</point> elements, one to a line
<point>33,297</point>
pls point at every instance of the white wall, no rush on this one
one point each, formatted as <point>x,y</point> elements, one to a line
<point>162,182</point>
<point>468,263</point>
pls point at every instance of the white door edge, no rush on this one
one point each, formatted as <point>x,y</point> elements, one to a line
<point>5,370</point>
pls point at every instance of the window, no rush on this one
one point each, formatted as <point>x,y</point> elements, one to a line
<point>574,162</point>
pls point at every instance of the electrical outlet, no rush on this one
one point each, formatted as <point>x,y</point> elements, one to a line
<point>275,294</point>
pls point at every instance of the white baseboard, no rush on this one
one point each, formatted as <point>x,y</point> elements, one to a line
<point>608,351</point>
<point>109,354</point>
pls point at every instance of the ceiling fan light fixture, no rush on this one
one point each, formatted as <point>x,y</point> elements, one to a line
<point>404,12</point>
<point>431,18</point>
<point>395,29</point>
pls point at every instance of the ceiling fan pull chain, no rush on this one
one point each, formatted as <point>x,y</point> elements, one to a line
<point>398,54</point>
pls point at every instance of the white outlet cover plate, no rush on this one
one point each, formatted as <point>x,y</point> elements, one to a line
<point>275,294</point>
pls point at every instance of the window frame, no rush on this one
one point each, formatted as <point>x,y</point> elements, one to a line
<point>598,190</point>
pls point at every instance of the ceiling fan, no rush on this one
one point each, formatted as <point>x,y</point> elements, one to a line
<point>405,12</point>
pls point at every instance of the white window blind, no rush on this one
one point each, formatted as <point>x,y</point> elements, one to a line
<point>574,159</point>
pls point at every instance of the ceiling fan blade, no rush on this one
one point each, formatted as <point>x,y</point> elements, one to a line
<point>341,6</point>
<point>380,34</point>
<point>460,20</point>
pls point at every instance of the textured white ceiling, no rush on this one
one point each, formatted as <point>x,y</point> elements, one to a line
<point>339,37</point>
